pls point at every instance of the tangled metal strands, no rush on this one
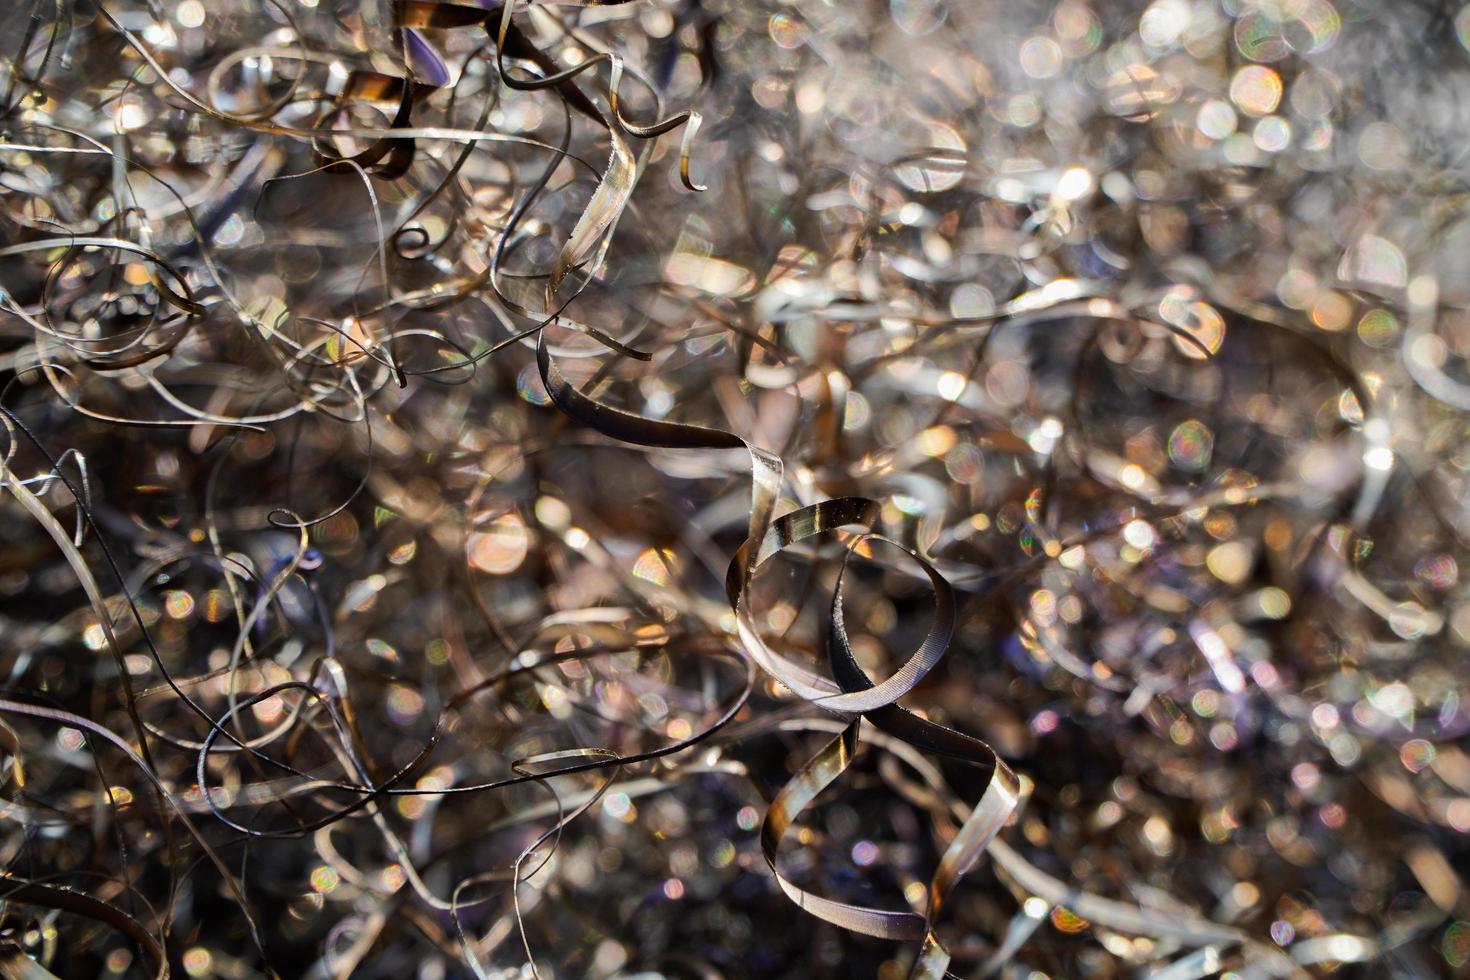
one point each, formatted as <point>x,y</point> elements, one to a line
<point>697,488</point>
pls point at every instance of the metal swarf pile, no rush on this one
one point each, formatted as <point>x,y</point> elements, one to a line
<point>698,488</point>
